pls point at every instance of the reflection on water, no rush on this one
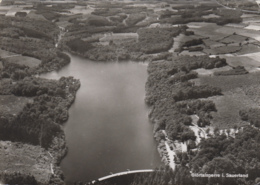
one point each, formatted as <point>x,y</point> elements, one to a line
<point>108,129</point>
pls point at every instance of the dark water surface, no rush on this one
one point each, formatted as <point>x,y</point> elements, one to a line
<point>108,129</point>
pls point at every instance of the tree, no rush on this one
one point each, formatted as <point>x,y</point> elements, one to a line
<point>207,131</point>
<point>216,131</point>
<point>228,131</point>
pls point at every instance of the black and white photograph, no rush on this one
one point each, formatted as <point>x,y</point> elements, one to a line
<point>129,92</point>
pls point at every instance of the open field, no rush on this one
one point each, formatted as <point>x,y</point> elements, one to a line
<point>11,10</point>
<point>194,53</point>
<point>212,44</point>
<point>118,36</point>
<point>227,83</point>
<point>4,53</point>
<point>202,71</point>
<point>238,45</point>
<point>228,107</point>
<point>33,15</point>
<point>26,159</point>
<point>207,30</point>
<point>239,92</point>
<point>240,31</point>
<point>255,56</point>
<point>225,34</point>
<point>233,39</point>
<point>248,49</point>
<point>253,26</point>
<point>223,50</point>
<point>24,60</point>
<point>81,9</point>
<point>250,64</point>
<point>12,105</point>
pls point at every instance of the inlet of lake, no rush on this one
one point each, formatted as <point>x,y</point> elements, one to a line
<point>108,128</point>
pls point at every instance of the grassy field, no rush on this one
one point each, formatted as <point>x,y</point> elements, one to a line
<point>233,39</point>
<point>227,83</point>
<point>119,36</point>
<point>239,92</point>
<point>33,15</point>
<point>228,107</point>
<point>249,63</point>
<point>223,50</point>
<point>81,9</point>
<point>240,31</point>
<point>24,60</point>
<point>26,159</point>
<point>207,30</point>
<point>12,105</point>
<point>135,18</point>
<point>202,72</point>
<point>249,48</point>
<point>238,45</point>
<point>211,16</point>
<point>212,44</point>
<point>63,24</point>
<point>4,53</point>
<point>195,53</point>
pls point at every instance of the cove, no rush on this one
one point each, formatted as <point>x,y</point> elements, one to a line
<point>108,128</point>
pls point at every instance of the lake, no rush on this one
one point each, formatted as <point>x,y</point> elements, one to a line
<point>108,128</point>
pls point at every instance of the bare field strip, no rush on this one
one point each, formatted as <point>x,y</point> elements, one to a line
<point>202,71</point>
<point>118,36</point>
<point>82,10</point>
<point>194,53</point>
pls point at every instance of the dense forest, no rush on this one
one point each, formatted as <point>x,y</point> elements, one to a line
<point>150,41</point>
<point>168,92</point>
<point>41,118</point>
<point>17,177</point>
<point>168,85</point>
<point>28,37</point>
<point>220,154</point>
<point>124,18</point>
<point>28,48</point>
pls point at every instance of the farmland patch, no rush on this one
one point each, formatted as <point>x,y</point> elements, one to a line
<point>223,50</point>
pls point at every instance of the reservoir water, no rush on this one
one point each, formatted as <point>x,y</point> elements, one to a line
<point>108,128</point>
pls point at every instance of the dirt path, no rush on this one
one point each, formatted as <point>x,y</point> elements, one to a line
<point>12,56</point>
<point>171,153</point>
